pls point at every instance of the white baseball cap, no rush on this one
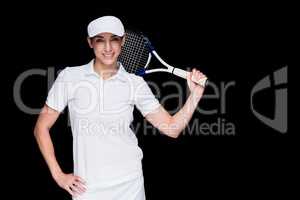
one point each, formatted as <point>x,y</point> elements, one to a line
<point>106,24</point>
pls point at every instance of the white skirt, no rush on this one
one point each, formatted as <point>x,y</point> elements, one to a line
<point>128,190</point>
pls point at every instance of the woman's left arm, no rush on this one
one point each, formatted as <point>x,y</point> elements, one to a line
<point>173,125</point>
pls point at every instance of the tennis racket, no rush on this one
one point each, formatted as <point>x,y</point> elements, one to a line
<point>136,55</point>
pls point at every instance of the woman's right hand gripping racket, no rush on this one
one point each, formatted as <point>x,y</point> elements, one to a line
<point>136,55</point>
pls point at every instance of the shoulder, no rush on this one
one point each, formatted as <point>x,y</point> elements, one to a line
<point>137,81</point>
<point>132,78</point>
<point>73,73</point>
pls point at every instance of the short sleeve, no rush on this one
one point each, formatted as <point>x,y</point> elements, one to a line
<point>145,101</point>
<point>57,98</point>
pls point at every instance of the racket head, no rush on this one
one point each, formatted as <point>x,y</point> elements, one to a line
<point>136,53</point>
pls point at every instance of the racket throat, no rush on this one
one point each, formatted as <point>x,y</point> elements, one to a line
<point>141,72</point>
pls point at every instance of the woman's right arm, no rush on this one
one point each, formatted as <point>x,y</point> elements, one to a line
<point>73,184</point>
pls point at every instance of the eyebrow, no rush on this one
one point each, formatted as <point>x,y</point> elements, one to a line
<point>116,36</point>
<point>101,37</point>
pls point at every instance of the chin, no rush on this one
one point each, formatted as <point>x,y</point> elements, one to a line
<point>109,62</point>
<point>106,61</point>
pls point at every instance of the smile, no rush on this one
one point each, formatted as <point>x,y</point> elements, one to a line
<point>108,55</point>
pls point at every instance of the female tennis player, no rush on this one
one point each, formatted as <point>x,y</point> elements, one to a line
<point>101,97</point>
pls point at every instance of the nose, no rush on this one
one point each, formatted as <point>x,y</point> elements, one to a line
<point>107,46</point>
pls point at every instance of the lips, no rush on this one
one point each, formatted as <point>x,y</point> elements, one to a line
<point>110,55</point>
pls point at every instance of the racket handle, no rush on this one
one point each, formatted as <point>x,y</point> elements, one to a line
<point>183,74</point>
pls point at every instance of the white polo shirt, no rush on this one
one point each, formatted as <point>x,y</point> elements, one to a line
<point>105,149</point>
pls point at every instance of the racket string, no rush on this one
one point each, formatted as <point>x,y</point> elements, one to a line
<point>134,55</point>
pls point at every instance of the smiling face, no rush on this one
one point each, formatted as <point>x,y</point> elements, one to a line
<point>107,47</point>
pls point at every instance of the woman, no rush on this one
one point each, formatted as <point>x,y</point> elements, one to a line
<point>100,97</point>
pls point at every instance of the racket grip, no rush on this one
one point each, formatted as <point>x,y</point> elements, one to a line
<point>183,74</point>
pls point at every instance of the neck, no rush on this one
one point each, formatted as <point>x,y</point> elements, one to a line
<point>105,71</point>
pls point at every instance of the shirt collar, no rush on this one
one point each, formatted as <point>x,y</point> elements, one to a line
<point>120,75</point>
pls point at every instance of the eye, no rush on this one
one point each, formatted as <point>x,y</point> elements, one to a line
<point>99,40</point>
<point>116,39</point>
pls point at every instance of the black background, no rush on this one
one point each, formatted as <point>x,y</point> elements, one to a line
<point>228,42</point>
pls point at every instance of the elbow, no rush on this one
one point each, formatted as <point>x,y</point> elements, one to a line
<point>38,129</point>
<point>172,130</point>
<point>173,135</point>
